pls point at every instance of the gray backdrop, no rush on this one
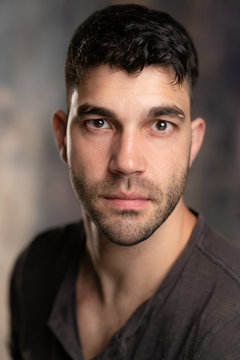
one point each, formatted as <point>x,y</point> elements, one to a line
<point>34,187</point>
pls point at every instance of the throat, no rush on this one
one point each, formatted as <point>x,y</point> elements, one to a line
<point>103,309</point>
<point>98,322</point>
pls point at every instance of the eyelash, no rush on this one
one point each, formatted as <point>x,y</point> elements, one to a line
<point>166,123</point>
<point>164,130</point>
<point>87,122</point>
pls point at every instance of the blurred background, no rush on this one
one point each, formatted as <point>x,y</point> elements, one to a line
<point>34,188</point>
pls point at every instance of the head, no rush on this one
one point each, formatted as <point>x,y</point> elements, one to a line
<point>128,138</point>
<point>130,37</point>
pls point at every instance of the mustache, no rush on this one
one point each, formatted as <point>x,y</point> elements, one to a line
<point>125,183</point>
<point>116,183</point>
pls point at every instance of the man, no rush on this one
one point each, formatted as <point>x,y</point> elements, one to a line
<point>143,277</point>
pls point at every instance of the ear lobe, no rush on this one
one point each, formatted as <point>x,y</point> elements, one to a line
<point>198,130</point>
<point>59,124</point>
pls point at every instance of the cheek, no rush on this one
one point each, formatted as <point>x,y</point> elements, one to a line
<point>169,159</point>
<point>87,157</point>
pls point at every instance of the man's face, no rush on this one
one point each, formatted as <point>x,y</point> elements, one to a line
<point>128,149</point>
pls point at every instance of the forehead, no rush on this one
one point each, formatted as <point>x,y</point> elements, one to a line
<point>153,86</point>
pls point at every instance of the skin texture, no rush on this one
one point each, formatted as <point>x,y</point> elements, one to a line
<point>128,142</point>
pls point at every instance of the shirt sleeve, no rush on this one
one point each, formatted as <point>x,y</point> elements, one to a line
<point>225,344</point>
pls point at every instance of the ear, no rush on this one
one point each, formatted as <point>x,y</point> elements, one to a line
<point>198,130</point>
<point>59,124</point>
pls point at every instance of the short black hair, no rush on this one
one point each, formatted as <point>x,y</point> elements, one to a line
<point>129,37</point>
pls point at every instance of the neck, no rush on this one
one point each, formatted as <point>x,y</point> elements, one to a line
<point>137,270</point>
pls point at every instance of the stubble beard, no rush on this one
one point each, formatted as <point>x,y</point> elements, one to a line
<point>128,227</point>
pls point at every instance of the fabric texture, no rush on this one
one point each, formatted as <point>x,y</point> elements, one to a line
<point>193,315</point>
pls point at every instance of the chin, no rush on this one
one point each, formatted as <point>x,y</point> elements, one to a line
<point>129,232</point>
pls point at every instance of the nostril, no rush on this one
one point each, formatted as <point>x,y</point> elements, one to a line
<point>125,165</point>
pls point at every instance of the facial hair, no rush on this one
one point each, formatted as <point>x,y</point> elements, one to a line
<point>128,227</point>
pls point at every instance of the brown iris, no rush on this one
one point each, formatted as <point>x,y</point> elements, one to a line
<point>161,125</point>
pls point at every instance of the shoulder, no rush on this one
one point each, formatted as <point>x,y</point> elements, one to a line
<point>215,267</point>
<point>221,252</point>
<point>47,256</point>
<point>217,263</point>
<point>223,342</point>
<point>53,242</point>
<point>35,280</point>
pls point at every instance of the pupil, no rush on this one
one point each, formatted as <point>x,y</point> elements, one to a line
<point>99,123</point>
<point>162,125</point>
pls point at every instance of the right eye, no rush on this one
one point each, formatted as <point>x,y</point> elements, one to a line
<point>98,124</point>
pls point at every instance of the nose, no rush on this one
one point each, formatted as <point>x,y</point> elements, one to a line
<point>127,154</point>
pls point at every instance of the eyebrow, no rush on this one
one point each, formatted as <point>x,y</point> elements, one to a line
<point>167,110</point>
<point>88,109</point>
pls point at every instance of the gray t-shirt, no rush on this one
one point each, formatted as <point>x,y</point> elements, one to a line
<point>194,314</point>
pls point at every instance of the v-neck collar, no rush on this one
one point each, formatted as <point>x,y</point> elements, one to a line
<point>63,319</point>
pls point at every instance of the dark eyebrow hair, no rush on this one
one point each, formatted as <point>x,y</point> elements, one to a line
<point>169,110</point>
<point>88,109</point>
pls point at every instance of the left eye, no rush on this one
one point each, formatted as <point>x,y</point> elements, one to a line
<point>161,125</point>
<point>99,123</point>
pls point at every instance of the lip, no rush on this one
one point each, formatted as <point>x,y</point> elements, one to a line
<point>133,200</point>
<point>126,196</point>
